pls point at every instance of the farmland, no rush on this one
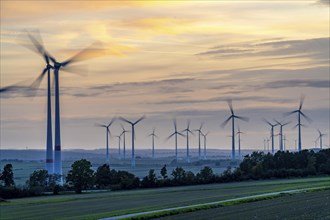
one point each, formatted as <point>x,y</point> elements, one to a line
<point>106,204</point>
<point>309,205</point>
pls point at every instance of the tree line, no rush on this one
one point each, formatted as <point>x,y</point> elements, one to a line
<point>81,176</point>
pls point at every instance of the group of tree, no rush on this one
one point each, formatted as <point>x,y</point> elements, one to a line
<point>258,165</point>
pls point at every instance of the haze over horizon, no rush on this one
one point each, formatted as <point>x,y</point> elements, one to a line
<point>180,59</point>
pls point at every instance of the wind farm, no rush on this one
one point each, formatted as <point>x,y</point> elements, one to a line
<point>164,110</point>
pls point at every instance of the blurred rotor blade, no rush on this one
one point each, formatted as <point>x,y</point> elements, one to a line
<point>306,117</point>
<point>264,120</point>
<point>122,127</point>
<point>94,50</point>
<point>140,119</point>
<point>112,121</point>
<point>100,125</point>
<point>202,124</point>
<point>170,136</point>
<point>191,132</point>
<point>174,122</point>
<point>36,83</point>
<point>188,124</point>
<point>109,132</point>
<point>302,99</point>
<point>242,118</point>
<point>125,120</point>
<point>180,134</point>
<point>79,69</point>
<point>225,122</point>
<point>286,123</point>
<point>230,104</point>
<point>277,122</point>
<point>290,113</point>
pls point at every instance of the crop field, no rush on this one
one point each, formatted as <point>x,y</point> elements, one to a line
<point>308,205</point>
<point>106,204</point>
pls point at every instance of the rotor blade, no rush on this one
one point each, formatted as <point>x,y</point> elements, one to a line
<point>188,124</point>
<point>125,120</point>
<point>180,134</point>
<point>191,132</point>
<point>174,122</point>
<point>112,121</point>
<point>122,127</point>
<point>286,123</point>
<point>170,136</point>
<point>306,117</point>
<point>100,125</point>
<point>109,132</point>
<point>202,124</point>
<point>264,120</point>
<point>279,123</point>
<point>94,50</point>
<point>230,104</point>
<point>36,83</point>
<point>242,118</point>
<point>319,132</point>
<point>225,122</point>
<point>290,113</point>
<point>140,119</point>
<point>302,99</point>
<point>78,69</point>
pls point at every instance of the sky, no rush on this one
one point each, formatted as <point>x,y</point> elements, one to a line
<point>180,59</point>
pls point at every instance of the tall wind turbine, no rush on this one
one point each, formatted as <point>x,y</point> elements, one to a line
<point>35,85</point>
<point>204,136</point>
<point>107,133</point>
<point>232,117</point>
<point>239,141</point>
<point>320,137</point>
<point>175,134</point>
<point>187,130</point>
<point>281,124</point>
<point>300,113</point>
<point>133,135</point>
<point>153,135</point>
<point>271,133</point>
<point>199,130</point>
<point>124,141</point>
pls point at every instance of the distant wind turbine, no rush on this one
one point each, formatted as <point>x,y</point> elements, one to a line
<point>281,124</point>
<point>153,135</point>
<point>199,130</point>
<point>124,141</point>
<point>284,141</point>
<point>265,140</point>
<point>239,141</point>
<point>119,151</point>
<point>107,133</point>
<point>205,135</point>
<point>320,137</point>
<point>300,113</point>
<point>271,133</point>
<point>232,117</point>
<point>175,134</point>
<point>268,144</point>
<point>187,130</point>
<point>133,135</point>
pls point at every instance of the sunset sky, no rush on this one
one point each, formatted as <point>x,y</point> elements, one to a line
<point>180,59</point>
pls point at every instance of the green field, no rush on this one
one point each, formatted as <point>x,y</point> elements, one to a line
<point>106,204</point>
<point>308,205</point>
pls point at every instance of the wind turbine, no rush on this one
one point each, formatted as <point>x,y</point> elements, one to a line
<point>124,140</point>
<point>232,117</point>
<point>239,141</point>
<point>300,113</point>
<point>175,134</point>
<point>153,135</point>
<point>284,140</point>
<point>107,133</point>
<point>119,139</point>
<point>199,140</point>
<point>281,124</point>
<point>205,135</point>
<point>268,144</point>
<point>187,130</point>
<point>320,137</point>
<point>133,135</point>
<point>265,140</point>
<point>272,133</point>
<point>49,141</point>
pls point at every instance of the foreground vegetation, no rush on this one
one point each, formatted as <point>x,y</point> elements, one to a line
<point>255,166</point>
<point>106,204</point>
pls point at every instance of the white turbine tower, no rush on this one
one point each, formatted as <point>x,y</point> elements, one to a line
<point>271,133</point>
<point>153,135</point>
<point>187,130</point>
<point>107,133</point>
<point>300,113</point>
<point>199,130</point>
<point>205,136</point>
<point>124,141</point>
<point>239,141</point>
<point>119,151</point>
<point>133,136</point>
<point>175,134</point>
<point>232,117</point>
<point>320,137</point>
<point>281,124</point>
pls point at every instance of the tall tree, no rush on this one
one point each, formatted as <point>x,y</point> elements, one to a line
<point>163,172</point>
<point>81,176</point>
<point>7,175</point>
<point>103,176</point>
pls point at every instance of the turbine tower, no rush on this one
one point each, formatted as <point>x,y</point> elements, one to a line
<point>133,135</point>
<point>268,144</point>
<point>320,137</point>
<point>284,141</point>
<point>124,141</point>
<point>300,113</point>
<point>107,133</point>
<point>271,133</point>
<point>239,141</point>
<point>265,140</point>
<point>232,117</point>
<point>204,136</point>
<point>187,130</point>
<point>199,139</point>
<point>119,139</point>
<point>281,124</point>
<point>175,134</point>
<point>153,135</point>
